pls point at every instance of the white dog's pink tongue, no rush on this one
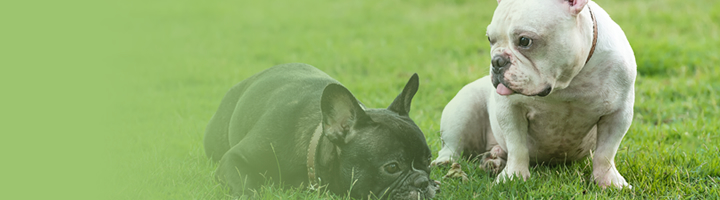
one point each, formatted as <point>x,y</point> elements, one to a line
<point>502,90</point>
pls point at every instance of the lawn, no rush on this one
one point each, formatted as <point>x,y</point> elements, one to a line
<point>180,57</point>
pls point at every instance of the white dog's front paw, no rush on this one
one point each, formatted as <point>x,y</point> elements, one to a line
<point>510,174</point>
<point>442,160</point>
<point>446,156</point>
<point>608,177</point>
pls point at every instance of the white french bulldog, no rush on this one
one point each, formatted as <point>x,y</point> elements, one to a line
<point>561,88</point>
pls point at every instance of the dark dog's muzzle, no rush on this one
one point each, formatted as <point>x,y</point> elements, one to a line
<point>411,183</point>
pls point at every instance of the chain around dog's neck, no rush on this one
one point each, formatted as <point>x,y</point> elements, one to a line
<point>595,33</point>
<point>312,152</point>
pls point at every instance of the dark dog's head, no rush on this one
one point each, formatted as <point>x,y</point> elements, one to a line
<point>380,152</point>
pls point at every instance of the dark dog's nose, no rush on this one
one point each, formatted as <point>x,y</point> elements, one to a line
<point>421,182</point>
<point>498,62</point>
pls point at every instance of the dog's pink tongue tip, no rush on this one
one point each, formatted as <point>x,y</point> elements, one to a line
<point>502,90</point>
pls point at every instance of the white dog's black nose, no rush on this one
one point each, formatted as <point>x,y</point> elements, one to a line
<point>499,62</point>
<point>545,92</point>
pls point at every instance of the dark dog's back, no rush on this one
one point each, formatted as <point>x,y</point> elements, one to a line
<point>284,90</point>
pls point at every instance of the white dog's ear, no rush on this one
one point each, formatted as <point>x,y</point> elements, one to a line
<point>498,1</point>
<point>575,6</point>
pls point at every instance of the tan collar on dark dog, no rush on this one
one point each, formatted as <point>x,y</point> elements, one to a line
<point>595,33</point>
<point>312,152</point>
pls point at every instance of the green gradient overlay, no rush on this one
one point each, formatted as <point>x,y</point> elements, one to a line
<point>55,104</point>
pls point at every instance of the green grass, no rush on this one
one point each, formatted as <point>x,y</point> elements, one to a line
<point>184,56</point>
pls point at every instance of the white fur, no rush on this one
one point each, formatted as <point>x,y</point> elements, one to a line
<point>588,111</point>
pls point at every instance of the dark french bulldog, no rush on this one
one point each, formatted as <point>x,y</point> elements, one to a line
<point>296,125</point>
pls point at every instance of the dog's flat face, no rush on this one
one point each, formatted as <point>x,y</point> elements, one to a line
<point>382,152</point>
<point>391,160</point>
<point>537,46</point>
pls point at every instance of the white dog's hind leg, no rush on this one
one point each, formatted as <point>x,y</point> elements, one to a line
<point>610,131</point>
<point>464,125</point>
<point>493,161</point>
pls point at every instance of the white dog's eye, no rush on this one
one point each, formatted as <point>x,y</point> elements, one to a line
<point>525,42</point>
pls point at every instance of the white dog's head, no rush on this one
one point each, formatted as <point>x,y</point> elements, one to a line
<point>538,45</point>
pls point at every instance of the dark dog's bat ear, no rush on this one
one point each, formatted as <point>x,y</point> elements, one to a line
<point>341,112</point>
<point>401,104</point>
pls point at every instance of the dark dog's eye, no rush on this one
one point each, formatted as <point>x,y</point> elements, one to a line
<point>392,168</point>
<point>525,42</point>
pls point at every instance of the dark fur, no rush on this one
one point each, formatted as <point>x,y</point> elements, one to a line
<point>263,127</point>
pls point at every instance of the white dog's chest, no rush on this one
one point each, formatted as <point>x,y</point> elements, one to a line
<point>563,131</point>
